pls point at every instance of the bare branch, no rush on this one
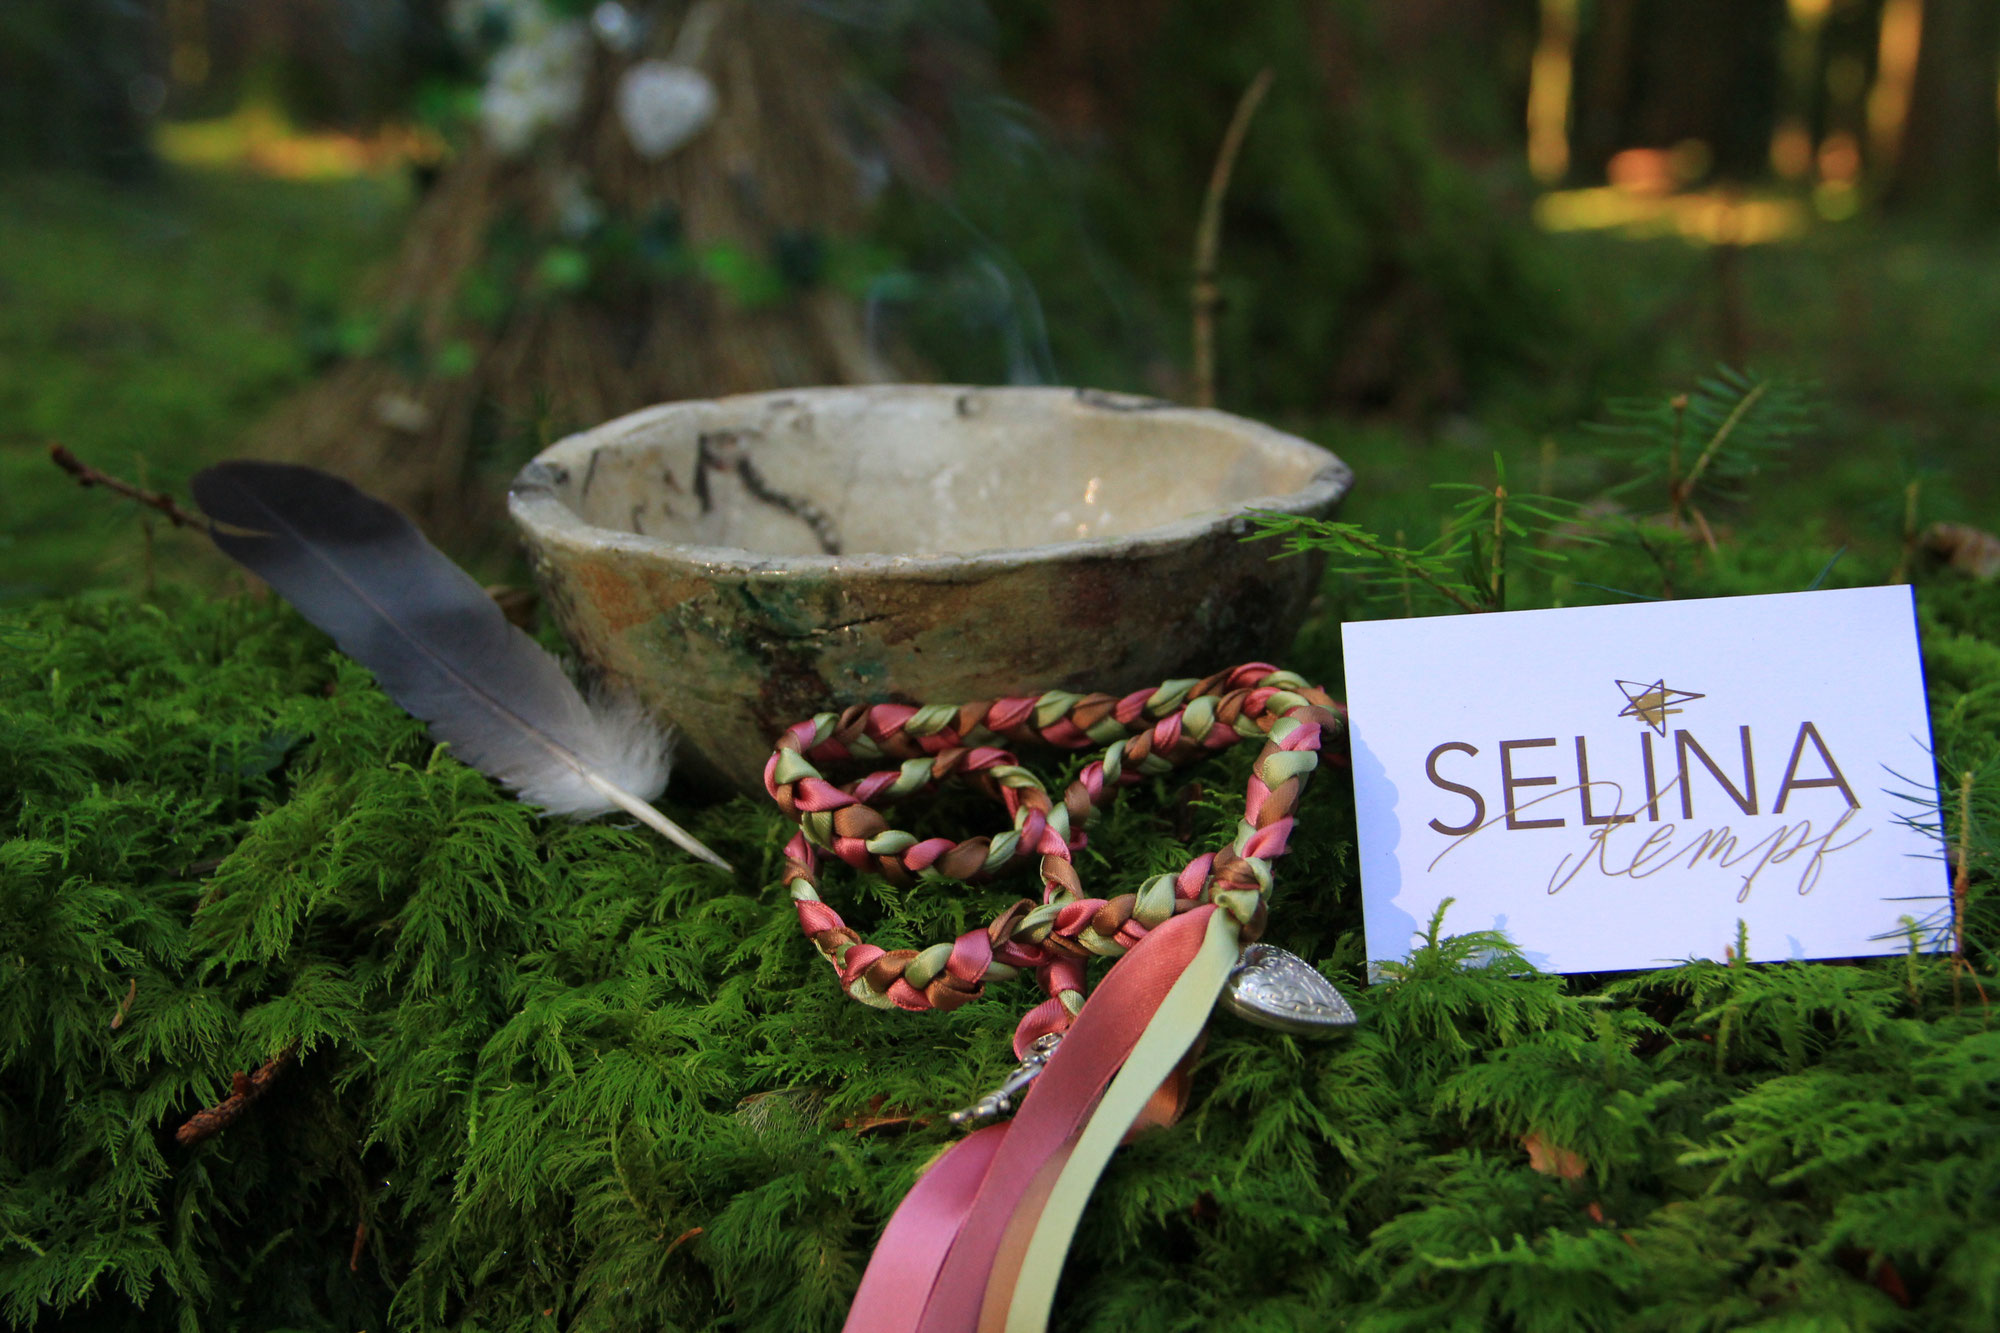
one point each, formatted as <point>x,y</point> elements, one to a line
<point>88,476</point>
<point>1208,238</point>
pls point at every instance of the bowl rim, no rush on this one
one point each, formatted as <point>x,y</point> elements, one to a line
<point>543,518</point>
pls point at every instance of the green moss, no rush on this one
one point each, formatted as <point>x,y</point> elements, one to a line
<point>548,1067</point>
<point>543,1067</point>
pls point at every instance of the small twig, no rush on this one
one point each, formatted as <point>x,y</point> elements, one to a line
<point>1208,238</point>
<point>1961,884</point>
<point>1498,580</point>
<point>1903,561</point>
<point>88,476</point>
<point>1701,526</point>
<point>1659,559</point>
<point>151,584</point>
<point>125,1005</point>
<point>1675,497</point>
<point>244,1089</point>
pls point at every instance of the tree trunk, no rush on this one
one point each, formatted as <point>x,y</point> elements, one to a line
<point>1948,163</point>
<point>1606,54</point>
<point>543,291</point>
<point>1664,72</point>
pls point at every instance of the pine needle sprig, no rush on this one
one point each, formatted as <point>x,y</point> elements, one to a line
<point>1707,443</point>
<point>1368,556</point>
<point>1494,526</point>
<point>1485,534</point>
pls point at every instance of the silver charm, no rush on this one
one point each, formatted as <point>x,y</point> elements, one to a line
<point>1275,989</point>
<point>1002,1101</point>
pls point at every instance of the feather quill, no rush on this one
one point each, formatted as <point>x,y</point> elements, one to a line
<point>437,643</point>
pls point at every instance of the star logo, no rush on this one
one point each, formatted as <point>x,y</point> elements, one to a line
<point>1653,704</point>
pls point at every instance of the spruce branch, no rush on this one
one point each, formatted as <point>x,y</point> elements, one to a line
<point>1745,423</point>
<point>1301,534</point>
<point>1743,407</point>
<point>1504,522</point>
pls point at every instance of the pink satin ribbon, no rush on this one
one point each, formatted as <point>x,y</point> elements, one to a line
<point>914,1244</point>
<point>951,1236</point>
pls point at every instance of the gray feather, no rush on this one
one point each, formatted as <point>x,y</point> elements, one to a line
<point>438,645</point>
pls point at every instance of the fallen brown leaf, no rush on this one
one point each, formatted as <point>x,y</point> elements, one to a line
<point>1965,548</point>
<point>1551,1160</point>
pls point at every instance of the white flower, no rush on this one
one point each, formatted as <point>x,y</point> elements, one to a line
<point>535,84</point>
<point>663,105</point>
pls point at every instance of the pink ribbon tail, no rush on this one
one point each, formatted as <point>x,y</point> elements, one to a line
<point>914,1244</point>
<point>1054,1113</point>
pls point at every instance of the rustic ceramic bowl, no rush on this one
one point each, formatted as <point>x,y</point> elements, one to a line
<point>747,562</point>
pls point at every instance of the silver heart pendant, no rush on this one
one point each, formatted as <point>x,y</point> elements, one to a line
<point>1276,989</point>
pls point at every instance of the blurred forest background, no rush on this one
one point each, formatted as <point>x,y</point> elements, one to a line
<point>416,240</point>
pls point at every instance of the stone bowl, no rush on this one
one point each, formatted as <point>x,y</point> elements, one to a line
<point>746,562</point>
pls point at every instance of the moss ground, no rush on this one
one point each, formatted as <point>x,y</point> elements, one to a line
<point>555,1076</point>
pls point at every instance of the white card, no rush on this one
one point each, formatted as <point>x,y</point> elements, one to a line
<point>1757,754</point>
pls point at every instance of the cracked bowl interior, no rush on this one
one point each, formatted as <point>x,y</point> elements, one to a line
<point>746,562</point>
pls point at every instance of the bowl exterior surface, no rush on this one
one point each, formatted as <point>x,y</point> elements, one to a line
<point>729,648</point>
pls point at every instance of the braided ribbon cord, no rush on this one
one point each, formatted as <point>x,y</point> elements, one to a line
<point>1144,733</point>
<point>978,1244</point>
